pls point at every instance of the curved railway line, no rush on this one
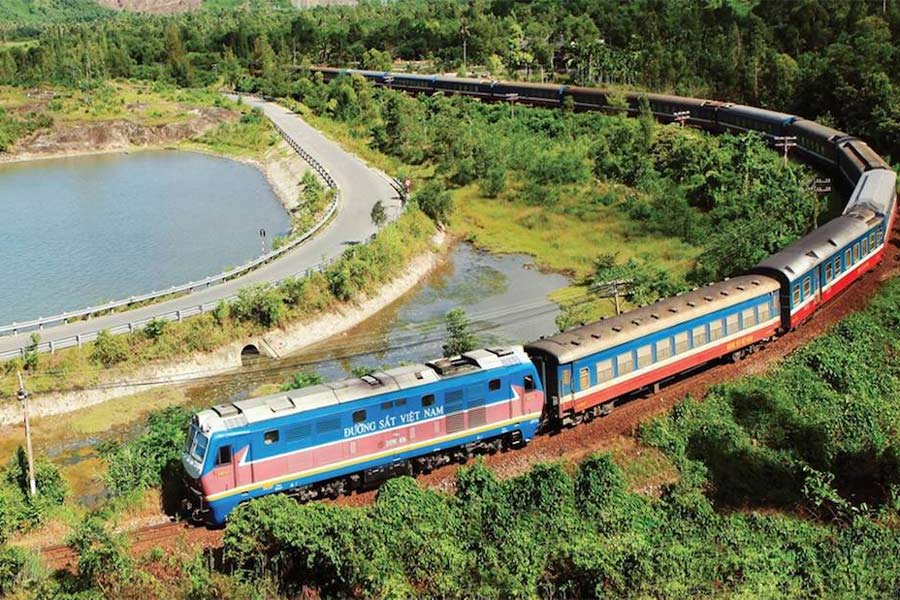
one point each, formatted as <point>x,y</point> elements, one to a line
<point>851,158</point>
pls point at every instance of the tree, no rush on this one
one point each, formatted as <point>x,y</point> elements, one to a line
<point>435,201</point>
<point>300,380</point>
<point>459,338</point>
<point>109,350</point>
<point>258,304</point>
<point>179,66</point>
<point>32,353</point>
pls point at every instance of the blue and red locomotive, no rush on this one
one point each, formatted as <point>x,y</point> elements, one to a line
<point>330,439</point>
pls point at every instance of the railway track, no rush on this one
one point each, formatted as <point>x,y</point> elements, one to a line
<point>569,444</point>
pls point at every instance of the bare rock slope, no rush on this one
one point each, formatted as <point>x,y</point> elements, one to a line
<point>177,6</point>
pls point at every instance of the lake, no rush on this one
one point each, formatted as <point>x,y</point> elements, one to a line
<point>81,231</point>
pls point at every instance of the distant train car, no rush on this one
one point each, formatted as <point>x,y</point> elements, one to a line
<point>855,157</point>
<point>586,98</point>
<point>465,86</point>
<point>585,370</point>
<point>664,108</point>
<point>817,143</point>
<point>329,439</point>
<point>529,93</point>
<point>738,118</point>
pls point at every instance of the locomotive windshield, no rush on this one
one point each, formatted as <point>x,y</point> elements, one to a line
<point>196,443</point>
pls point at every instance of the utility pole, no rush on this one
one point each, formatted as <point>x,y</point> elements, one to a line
<point>608,289</point>
<point>785,142</point>
<point>681,117</point>
<point>23,398</point>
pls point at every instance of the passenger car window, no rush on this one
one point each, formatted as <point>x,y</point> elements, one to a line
<point>865,246</point>
<point>270,437</point>
<point>494,385</point>
<point>855,252</point>
<point>604,371</point>
<point>566,377</point>
<point>715,330</point>
<point>807,287</point>
<point>681,342</point>
<point>796,294</point>
<point>644,356</point>
<point>763,310</point>
<point>848,258</point>
<point>829,272</point>
<point>748,318</point>
<point>699,335</point>
<point>625,363</point>
<point>732,323</point>
<point>223,457</point>
<point>359,416</point>
<point>584,378</point>
<point>663,349</point>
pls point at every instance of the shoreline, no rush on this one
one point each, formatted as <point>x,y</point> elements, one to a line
<point>282,341</point>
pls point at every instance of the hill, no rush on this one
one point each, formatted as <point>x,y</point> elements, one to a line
<point>53,11</point>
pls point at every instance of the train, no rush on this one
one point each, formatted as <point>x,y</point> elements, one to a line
<point>342,436</point>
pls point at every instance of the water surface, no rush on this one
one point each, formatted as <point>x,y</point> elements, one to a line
<point>76,232</point>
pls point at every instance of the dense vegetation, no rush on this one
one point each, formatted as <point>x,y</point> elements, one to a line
<point>635,193</point>
<point>826,59</point>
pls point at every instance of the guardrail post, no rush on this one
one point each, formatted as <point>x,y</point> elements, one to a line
<point>130,327</point>
<point>178,315</point>
<point>201,308</point>
<point>51,347</point>
<point>78,341</point>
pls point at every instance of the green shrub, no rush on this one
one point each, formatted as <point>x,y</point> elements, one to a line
<point>109,350</point>
<point>258,304</point>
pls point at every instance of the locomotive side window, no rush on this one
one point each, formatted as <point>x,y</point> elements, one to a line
<point>400,402</point>
<point>699,335</point>
<point>796,294</point>
<point>528,383</point>
<point>715,330</point>
<point>494,385</point>
<point>359,416</point>
<point>681,342</point>
<point>604,371</point>
<point>625,363</point>
<point>645,357</point>
<point>584,378</point>
<point>270,437</point>
<point>223,457</point>
<point>387,405</point>
<point>428,400</point>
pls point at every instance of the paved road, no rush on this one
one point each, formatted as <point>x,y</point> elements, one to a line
<point>360,187</point>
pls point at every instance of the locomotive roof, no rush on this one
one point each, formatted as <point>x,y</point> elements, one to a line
<point>875,191</point>
<point>608,333</point>
<point>253,410</point>
<point>807,252</point>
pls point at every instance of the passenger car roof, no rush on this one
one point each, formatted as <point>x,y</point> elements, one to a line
<point>807,252</point>
<point>609,333</point>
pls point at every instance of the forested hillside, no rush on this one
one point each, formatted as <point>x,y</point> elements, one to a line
<point>833,60</point>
